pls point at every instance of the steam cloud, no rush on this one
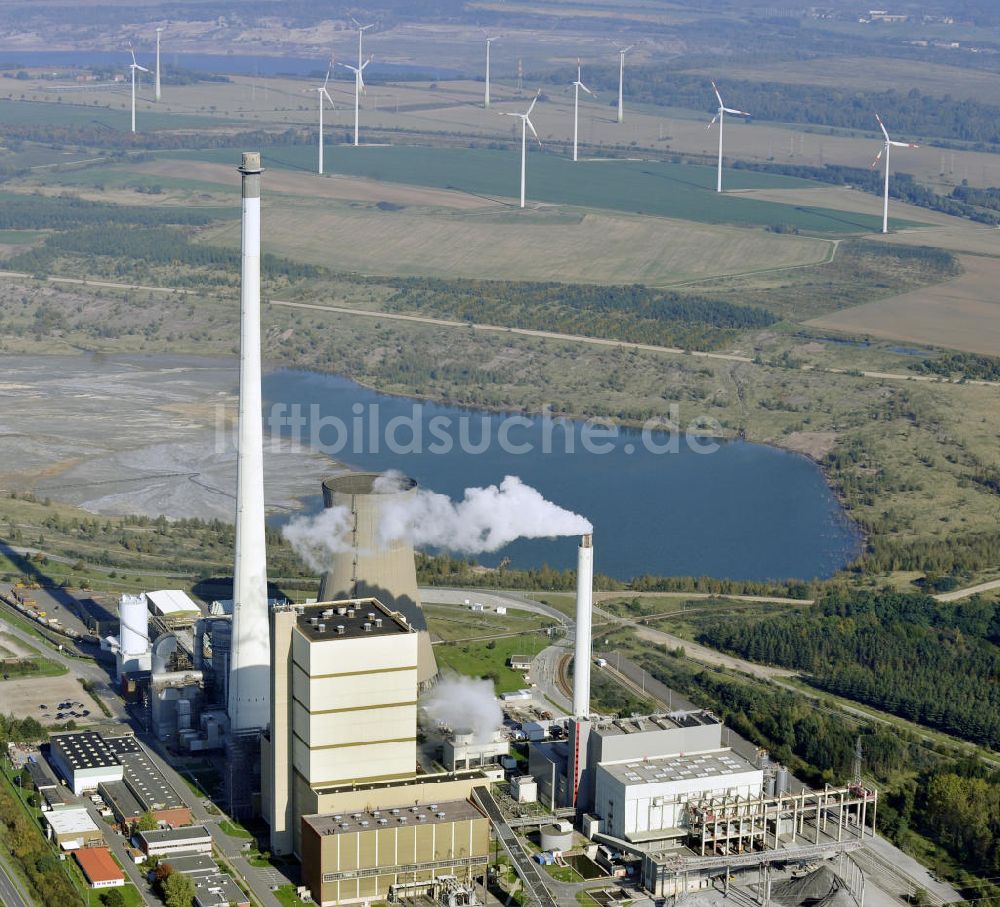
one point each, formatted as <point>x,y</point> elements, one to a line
<point>465,704</point>
<point>316,538</point>
<point>486,519</point>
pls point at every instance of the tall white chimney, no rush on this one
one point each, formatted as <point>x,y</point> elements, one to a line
<point>584,616</point>
<point>250,658</point>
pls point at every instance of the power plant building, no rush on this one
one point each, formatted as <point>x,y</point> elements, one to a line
<point>397,852</point>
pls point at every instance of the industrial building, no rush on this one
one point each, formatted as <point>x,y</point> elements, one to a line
<point>72,828</point>
<point>84,759</point>
<point>174,606</point>
<point>399,852</point>
<point>166,842</point>
<point>464,749</point>
<point>218,890</point>
<point>99,867</point>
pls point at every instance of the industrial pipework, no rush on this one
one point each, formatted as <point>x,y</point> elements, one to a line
<point>250,659</point>
<point>584,616</point>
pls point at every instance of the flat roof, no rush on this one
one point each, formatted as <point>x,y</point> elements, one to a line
<point>172,601</point>
<point>41,774</point>
<point>435,778</point>
<point>70,821</point>
<point>124,744</point>
<point>187,833</point>
<point>193,864</point>
<point>646,723</point>
<point>372,820</point>
<point>98,864</point>
<point>218,889</point>
<point>84,749</point>
<point>120,798</point>
<point>147,783</point>
<point>679,768</point>
<point>349,619</point>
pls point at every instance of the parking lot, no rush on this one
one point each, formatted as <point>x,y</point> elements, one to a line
<point>22,698</point>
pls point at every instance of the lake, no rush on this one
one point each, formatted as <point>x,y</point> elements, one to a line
<point>743,511</point>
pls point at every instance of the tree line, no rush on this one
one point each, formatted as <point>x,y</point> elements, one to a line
<point>906,653</point>
<point>632,313</point>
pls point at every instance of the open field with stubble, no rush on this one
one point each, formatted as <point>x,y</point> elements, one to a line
<point>963,313</point>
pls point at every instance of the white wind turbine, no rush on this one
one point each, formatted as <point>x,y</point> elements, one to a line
<point>577,85</point>
<point>621,82</point>
<point>361,31</point>
<point>134,66</point>
<point>721,116</point>
<point>889,143</point>
<point>158,30</point>
<point>323,93</point>
<point>489,42</point>
<point>526,124</point>
<point>359,87</point>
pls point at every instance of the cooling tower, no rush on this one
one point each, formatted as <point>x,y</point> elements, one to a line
<point>371,567</point>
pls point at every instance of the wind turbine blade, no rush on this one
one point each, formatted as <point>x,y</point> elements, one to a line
<point>132,52</point>
<point>625,50</point>
<point>878,157</point>
<point>531,126</point>
<point>353,69</point>
<point>712,122</point>
<point>584,87</point>
<point>886,134</point>
<point>903,145</point>
<point>739,113</point>
<point>332,105</point>
<point>719,96</point>
<point>364,65</point>
<point>141,68</point>
<point>533,103</point>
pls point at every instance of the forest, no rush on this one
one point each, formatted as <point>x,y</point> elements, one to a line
<point>906,653</point>
<point>970,366</point>
<point>630,313</point>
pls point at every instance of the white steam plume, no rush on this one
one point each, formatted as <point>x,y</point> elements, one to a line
<point>316,538</point>
<point>486,519</point>
<point>465,704</point>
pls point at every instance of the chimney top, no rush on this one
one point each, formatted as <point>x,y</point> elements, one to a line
<point>250,162</point>
<point>587,540</point>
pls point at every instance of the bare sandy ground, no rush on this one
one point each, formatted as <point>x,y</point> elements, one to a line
<point>134,434</point>
<point>961,314</point>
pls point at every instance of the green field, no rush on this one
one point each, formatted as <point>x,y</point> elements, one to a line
<point>115,117</point>
<point>683,191</point>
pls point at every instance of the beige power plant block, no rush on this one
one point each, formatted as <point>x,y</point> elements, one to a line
<point>380,854</point>
<point>343,706</point>
<point>371,565</point>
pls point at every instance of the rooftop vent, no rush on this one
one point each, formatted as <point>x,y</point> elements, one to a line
<point>371,615</point>
<point>402,819</point>
<point>342,610</point>
<point>350,612</point>
<point>322,628</point>
<point>395,812</point>
<point>383,821</point>
<point>340,629</point>
<point>328,612</point>
<point>368,627</point>
<point>378,621</point>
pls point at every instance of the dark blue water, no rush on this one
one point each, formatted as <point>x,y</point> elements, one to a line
<point>225,64</point>
<point>746,511</point>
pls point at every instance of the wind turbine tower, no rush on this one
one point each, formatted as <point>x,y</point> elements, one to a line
<point>621,82</point>
<point>323,93</point>
<point>158,30</point>
<point>720,115</point>
<point>577,85</point>
<point>250,656</point>
<point>489,42</point>
<point>359,87</point>
<point>526,124</point>
<point>886,145</point>
<point>134,66</point>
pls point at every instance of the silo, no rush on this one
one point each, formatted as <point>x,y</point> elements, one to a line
<point>133,615</point>
<point>370,565</point>
<point>782,781</point>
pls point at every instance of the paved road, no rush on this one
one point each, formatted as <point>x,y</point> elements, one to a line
<point>10,891</point>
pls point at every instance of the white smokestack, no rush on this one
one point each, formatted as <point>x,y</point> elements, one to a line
<point>584,615</point>
<point>250,659</point>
